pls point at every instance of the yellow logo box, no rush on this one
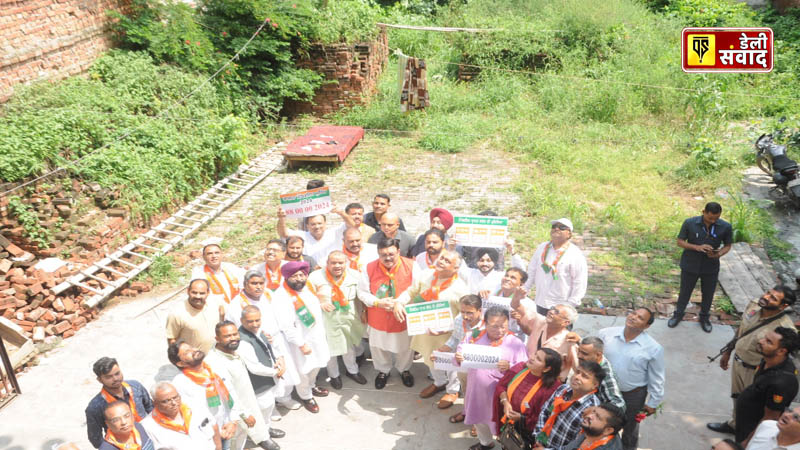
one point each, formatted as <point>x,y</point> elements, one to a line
<point>702,50</point>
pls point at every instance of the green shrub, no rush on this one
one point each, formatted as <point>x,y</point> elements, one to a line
<point>711,13</point>
<point>26,216</point>
<point>112,120</point>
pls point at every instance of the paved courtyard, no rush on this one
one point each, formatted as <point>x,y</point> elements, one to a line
<point>357,417</point>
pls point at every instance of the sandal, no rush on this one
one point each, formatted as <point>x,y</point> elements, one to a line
<point>457,418</point>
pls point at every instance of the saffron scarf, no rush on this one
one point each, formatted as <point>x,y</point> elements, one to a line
<point>216,286</point>
<point>216,391</point>
<point>169,424</point>
<point>559,405</point>
<point>300,307</point>
<point>337,295</point>
<point>110,399</point>
<point>595,444</point>
<point>512,387</point>
<point>353,258</point>
<point>135,445</point>
<point>273,282</point>
<point>432,293</point>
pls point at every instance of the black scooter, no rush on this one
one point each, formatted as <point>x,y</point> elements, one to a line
<point>785,173</point>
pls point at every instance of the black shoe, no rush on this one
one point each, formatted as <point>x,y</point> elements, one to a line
<point>357,377</point>
<point>380,380</point>
<point>705,324</point>
<point>269,444</point>
<point>275,433</point>
<point>675,320</point>
<point>408,379</point>
<point>721,427</point>
<point>336,383</point>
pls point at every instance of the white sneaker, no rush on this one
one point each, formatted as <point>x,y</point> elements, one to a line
<point>276,416</point>
<point>291,404</point>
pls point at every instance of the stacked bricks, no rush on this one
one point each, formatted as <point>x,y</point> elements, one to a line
<point>81,235</point>
<point>355,68</point>
<point>51,39</point>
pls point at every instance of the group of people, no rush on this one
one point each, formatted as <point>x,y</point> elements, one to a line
<point>246,340</point>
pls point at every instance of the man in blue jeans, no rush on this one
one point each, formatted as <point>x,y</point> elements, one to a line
<point>704,239</point>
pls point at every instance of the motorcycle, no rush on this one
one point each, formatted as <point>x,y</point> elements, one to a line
<point>771,158</point>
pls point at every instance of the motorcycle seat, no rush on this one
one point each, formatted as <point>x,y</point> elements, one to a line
<point>783,162</point>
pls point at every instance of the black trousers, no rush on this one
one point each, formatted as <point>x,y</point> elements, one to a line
<point>708,284</point>
<point>634,402</point>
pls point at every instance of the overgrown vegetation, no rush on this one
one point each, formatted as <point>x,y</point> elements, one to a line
<point>26,216</point>
<point>154,157</point>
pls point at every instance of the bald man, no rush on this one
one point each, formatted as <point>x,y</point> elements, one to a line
<point>390,228</point>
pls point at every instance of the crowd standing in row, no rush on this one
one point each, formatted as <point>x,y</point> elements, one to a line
<point>245,341</point>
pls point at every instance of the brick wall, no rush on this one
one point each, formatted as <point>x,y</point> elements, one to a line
<point>355,68</point>
<point>51,39</point>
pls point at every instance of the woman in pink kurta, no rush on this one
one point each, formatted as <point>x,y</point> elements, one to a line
<point>481,382</point>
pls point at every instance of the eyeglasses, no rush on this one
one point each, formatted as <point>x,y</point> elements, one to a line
<point>554,313</point>
<point>176,400</point>
<point>273,250</point>
<point>559,226</point>
<point>118,420</point>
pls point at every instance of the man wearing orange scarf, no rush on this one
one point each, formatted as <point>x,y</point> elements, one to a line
<point>300,319</point>
<point>336,287</point>
<point>358,252</point>
<point>174,424</point>
<point>440,284</point>
<point>381,283</point>
<point>124,433</point>
<point>271,267</point>
<point>562,415</point>
<point>202,388</point>
<point>224,278</point>
<point>600,429</point>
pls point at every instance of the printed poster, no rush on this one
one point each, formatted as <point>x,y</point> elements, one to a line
<point>434,316</point>
<point>298,205</point>
<point>481,231</point>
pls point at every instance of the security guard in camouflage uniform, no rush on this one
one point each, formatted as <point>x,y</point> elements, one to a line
<point>746,356</point>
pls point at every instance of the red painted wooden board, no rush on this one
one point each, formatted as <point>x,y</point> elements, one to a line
<point>324,142</point>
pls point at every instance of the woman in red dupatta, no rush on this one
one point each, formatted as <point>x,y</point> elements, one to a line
<point>524,389</point>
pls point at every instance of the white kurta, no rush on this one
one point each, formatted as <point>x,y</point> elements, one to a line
<point>569,287</point>
<point>235,273</point>
<point>200,437</point>
<point>422,261</point>
<point>318,249</point>
<point>477,281</point>
<point>270,326</point>
<point>262,269</point>
<point>232,367</point>
<point>194,395</point>
<point>392,342</point>
<point>298,334</point>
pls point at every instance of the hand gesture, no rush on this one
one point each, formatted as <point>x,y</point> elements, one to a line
<point>484,294</point>
<point>503,365</point>
<point>516,299</point>
<point>250,422</point>
<point>399,312</point>
<point>281,213</point>
<point>509,246</point>
<point>306,349</point>
<point>459,358</point>
<point>280,366</point>
<point>435,333</point>
<point>573,337</point>
<point>227,430</point>
<point>328,307</point>
<point>444,348</point>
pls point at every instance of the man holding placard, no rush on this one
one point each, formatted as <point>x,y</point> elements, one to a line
<point>319,240</point>
<point>444,286</point>
<point>558,270</point>
<point>381,283</point>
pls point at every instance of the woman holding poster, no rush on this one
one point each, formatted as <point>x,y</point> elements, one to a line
<point>481,383</point>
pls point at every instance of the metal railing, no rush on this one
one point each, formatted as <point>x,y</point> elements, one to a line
<point>9,388</point>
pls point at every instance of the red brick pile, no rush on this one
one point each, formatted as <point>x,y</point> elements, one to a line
<point>355,68</point>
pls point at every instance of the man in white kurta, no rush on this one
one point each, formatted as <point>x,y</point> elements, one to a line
<point>319,240</point>
<point>201,388</point>
<point>255,294</point>
<point>558,270</point>
<point>300,318</point>
<point>441,284</point>
<point>224,360</point>
<point>264,359</point>
<point>175,425</point>
<point>271,267</point>
<point>224,278</point>
<point>381,283</point>
<point>359,253</point>
<point>336,288</point>
<point>485,277</point>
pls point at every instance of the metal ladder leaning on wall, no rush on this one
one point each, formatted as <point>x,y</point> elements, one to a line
<point>136,256</point>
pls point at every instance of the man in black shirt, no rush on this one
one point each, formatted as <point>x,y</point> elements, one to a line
<point>702,239</point>
<point>775,384</point>
<point>380,205</point>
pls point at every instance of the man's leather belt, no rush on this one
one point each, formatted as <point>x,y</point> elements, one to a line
<point>746,366</point>
<point>636,389</point>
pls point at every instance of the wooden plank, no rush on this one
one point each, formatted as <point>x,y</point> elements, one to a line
<point>12,333</point>
<point>731,285</point>
<point>743,275</point>
<point>756,266</point>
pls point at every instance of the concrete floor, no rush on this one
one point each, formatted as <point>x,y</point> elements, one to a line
<point>56,392</point>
